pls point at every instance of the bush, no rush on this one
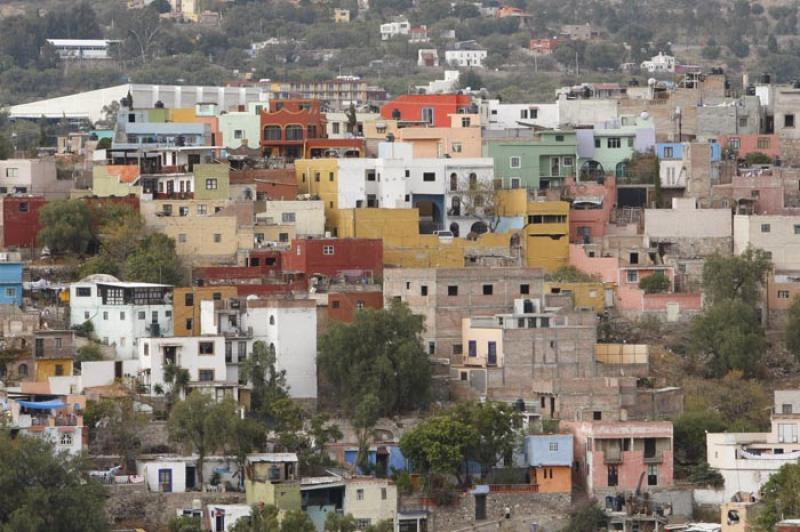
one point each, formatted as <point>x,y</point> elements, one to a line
<point>757,158</point>
<point>655,283</point>
<point>702,475</point>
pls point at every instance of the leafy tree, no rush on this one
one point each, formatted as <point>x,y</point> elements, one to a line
<point>44,490</point>
<point>297,521</point>
<point>588,517</point>
<point>380,353</point>
<point>90,352</point>
<point>792,331</point>
<point>178,380</point>
<point>269,397</point>
<point>185,523</point>
<point>340,523</point>
<point>66,226</point>
<point>155,261</point>
<point>470,79</point>
<point>140,31</point>
<point>200,425</point>
<point>690,435</point>
<point>244,437</point>
<point>728,337</point>
<point>739,277</point>
<point>570,274</point>
<point>439,444</point>
<point>262,519</point>
<point>495,424</point>
<point>366,415</point>
<point>780,497</point>
<point>702,475</point>
<point>757,158</point>
<point>655,283</point>
<point>711,50</point>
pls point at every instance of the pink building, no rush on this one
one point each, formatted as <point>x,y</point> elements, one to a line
<point>591,208</point>
<point>760,191</point>
<point>743,145</point>
<point>614,456</point>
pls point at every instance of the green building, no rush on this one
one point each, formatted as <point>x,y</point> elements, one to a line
<point>212,181</point>
<point>540,162</point>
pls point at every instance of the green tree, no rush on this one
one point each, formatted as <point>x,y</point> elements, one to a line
<point>588,517</point>
<point>655,283</point>
<point>728,337</point>
<point>470,79</point>
<point>155,261</point>
<point>439,444</point>
<point>185,523</point>
<point>711,50</point>
<point>739,277</point>
<point>496,425</point>
<point>66,226</point>
<point>340,523</point>
<point>757,158</point>
<point>690,435</point>
<point>780,497</point>
<point>90,352</point>
<point>366,415</point>
<point>262,519</point>
<point>296,521</point>
<point>46,491</point>
<point>244,437</point>
<point>792,330</point>
<point>570,274</point>
<point>269,396</point>
<point>201,426</point>
<point>380,353</point>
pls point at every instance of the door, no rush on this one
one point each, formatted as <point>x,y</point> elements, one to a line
<point>649,447</point>
<point>480,507</point>
<point>492,354</point>
<point>219,521</point>
<point>555,167</point>
<point>191,472</point>
<point>613,479</point>
<point>165,480</point>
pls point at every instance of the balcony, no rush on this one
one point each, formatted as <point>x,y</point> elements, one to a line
<point>612,456</point>
<point>657,458</point>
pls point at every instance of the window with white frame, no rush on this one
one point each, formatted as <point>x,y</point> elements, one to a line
<point>515,161</point>
<point>12,172</point>
<point>211,184</point>
<point>66,439</point>
<point>614,142</point>
<point>288,217</point>
<point>202,209</point>
<point>327,250</point>
<point>783,294</point>
<point>633,276</point>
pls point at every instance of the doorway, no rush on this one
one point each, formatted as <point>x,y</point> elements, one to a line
<point>191,474</point>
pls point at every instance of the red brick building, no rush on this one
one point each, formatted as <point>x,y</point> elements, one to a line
<point>354,258</point>
<point>431,109</point>
<point>270,183</point>
<point>21,220</point>
<point>342,306</point>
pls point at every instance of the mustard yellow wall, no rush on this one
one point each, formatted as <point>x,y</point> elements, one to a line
<point>547,244</point>
<point>587,295</point>
<point>181,311</point>
<point>327,188</point>
<point>183,114</point>
<point>47,368</point>
<point>560,483</point>
<point>512,202</point>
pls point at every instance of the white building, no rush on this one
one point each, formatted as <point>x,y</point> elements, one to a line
<point>659,63</point>
<point>280,324</point>
<point>673,173</point>
<point>465,58</point>
<point>33,176</point>
<point>337,124</point>
<point>746,460</point>
<point>497,115</point>
<point>222,517</point>
<point>83,48</point>
<point>396,180</point>
<point>393,29</point>
<point>441,86</point>
<point>121,313</point>
<point>370,500</point>
<point>778,235</point>
<point>178,474</point>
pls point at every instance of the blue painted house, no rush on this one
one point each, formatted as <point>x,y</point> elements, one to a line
<point>11,283</point>
<point>389,456</point>
<point>670,151</point>
<point>549,459</point>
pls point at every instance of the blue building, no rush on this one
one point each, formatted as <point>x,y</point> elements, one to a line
<point>548,450</point>
<point>11,283</point>
<point>384,458</point>
<point>671,151</point>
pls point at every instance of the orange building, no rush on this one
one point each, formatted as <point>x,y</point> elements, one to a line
<point>549,460</point>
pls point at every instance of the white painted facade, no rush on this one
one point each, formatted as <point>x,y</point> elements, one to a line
<point>746,460</point>
<point>672,173</point>
<point>465,58</point>
<point>498,115</point>
<point>441,86</point>
<point>575,112</point>
<point>394,29</point>
<point>336,125</point>
<point>777,235</point>
<point>222,517</point>
<point>395,178</point>
<point>370,500</point>
<point>659,63</point>
<point>102,372</point>
<point>202,356</point>
<point>33,176</point>
<point>121,313</point>
<point>685,220</point>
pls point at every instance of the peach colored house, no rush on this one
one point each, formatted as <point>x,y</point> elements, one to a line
<point>590,210</point>
<point>782,289</point>
<point>764,191</point>
<point>613,456</point>
<point>628,297</point>
<point>744,145</point>
<point>461,140</point>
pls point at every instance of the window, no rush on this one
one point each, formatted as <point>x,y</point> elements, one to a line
<point>423,290</point>
<point>141,315</point>
<point>567,161</point>
<point>597,415</point>
<point>788,120</point>
<point>457,147</point>
<point>763,143</point>
<point>472,347</point>
<point>427,115</point>
<point>783,294</point>
<point>23,206</point>
<point>22,370</point>
<point>183,211</point>
<point>188,300</point>
<point>189,324</point>
<point>614,142</point>
<point>613,478</point>
<point>283,237</point>
<point>202,209</point>
<point>330,176</point>
<point>121,316</point>
<point>205,375</point>
<point>288,217</point>
<point>363,524</point>
<point>66,439</point>
<point>630,142</point>
<point>488,289</point>
<point>12,172</point>
<point>734,143</point>
<point>597,142</point>
<point>294,132</point>
<point>11,292</point>
<point>652,475</point>
<point>237,133</point>
<point>216,296</point>
<point>553,446</point>
<point>211,184</point>
<point>458,349</point>
<point>668,152</point>
<point>217,238</point>
<point>335,128</point>
<point>84,291</point>
<point>39,345</point>
<point>383,494</point>
<point>105,315</point>
<point>466,121</point>
<point>786,408</point>
<point>797,229</point>
<point>59,370</point>
<point>765,228</point>
<point>360,494</point>
<point>515,161</point>
<point>206,348</point>
<point>452,290</point>
<point>429,176</point>
<point>524,289</point>
<point>327,250</point>
<point>360,304</point>
<point>182,238</point>
<point>633,276</point>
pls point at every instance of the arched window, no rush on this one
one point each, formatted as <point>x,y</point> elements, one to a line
<point>294,132</point>
<point>454,229</point>
<point>473,181</point>
<point>453,182</point>
<point>620,171</point>
<point>455,206</point>
<point>22,370</point>
<point>272,320</point>
<point>479,228</point>
<point>272,133</point>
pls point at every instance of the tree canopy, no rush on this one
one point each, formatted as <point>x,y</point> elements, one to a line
<point>66,226</point>
<point>780,497</point>
<point>739,277</point>
<point>381,354</point>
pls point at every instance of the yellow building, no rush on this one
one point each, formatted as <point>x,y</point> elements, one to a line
<point>547,235</point>
<point>186,306</point>
<point>271,478</point>
<point>115,180</point>
<point>584,294</point>
<point>52,367</point>
<point>320,178</point>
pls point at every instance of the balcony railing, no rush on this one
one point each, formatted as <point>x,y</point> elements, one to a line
<point>612,457</point>
<point>654,459</point>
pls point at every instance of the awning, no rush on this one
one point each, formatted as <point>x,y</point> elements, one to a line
<point>42,405</point>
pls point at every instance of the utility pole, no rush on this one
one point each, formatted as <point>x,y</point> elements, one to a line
<point>577,67</point>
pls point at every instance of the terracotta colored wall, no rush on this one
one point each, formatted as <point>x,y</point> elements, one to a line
<point>630,470</point>
<point>21,228</point>
<point>410,107</point>
<point>346,301</point>
<point>349,254</point>
<point>560,483</point>
<point>749,144</point>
